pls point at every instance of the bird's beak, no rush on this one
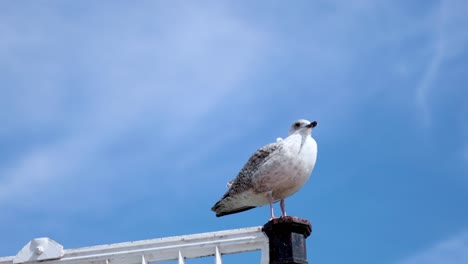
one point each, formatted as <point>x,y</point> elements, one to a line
<point>312,124</point>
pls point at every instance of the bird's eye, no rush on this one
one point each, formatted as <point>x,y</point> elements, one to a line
<point>297,124</point>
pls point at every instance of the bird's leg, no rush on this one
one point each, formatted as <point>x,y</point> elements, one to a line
<point>283,211</point>
<point>270,199</point>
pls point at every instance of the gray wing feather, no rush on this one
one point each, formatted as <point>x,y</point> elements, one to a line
<point>243,181</point>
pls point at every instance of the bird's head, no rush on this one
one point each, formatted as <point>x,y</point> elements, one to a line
<point>302,126</point>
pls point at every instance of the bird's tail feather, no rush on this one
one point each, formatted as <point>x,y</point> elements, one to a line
<point>228,205</point>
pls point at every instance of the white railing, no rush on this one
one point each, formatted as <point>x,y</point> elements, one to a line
<point>176,248</point>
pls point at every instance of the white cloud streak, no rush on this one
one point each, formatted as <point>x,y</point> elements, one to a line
<point>453,250</point>
<point>198,56</point>
<point>108,71</point>
<point>450,38</point>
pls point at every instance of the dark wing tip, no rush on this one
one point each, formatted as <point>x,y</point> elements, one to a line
<point>242,209</point>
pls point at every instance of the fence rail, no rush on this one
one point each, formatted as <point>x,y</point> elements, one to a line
<point>176,248</point>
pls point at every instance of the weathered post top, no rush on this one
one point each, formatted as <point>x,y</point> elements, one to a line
<point>287,237</point>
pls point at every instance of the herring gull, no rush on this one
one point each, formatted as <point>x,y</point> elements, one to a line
<point>273,173</point>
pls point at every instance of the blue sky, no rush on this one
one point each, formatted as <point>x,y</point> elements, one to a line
<point>124,120</point>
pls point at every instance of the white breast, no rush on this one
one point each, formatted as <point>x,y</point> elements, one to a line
<point>289,170</point>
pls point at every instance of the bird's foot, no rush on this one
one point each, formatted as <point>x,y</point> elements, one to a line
<point>272,216</point>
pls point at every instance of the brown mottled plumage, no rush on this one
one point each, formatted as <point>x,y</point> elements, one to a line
<point>243,181</point>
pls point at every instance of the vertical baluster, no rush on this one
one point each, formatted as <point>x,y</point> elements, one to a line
<point>181,258</point>
<point>218,259</point>
<point>265,255</point>
<point>143,260</point>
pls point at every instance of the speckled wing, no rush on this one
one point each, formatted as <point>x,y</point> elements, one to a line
<point>243,181</point>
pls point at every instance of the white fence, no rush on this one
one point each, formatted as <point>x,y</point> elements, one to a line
<point>176,248</point>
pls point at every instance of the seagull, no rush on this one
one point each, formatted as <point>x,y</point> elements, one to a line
<point>273,173</point>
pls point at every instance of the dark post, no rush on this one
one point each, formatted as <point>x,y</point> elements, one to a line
<point>287,236</point>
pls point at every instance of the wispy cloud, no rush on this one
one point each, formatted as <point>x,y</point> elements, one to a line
<point>449,39</point>
<point>425,84</point>
<point>198,56</point>
<point>94,79</point>
<point>453,250</point>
